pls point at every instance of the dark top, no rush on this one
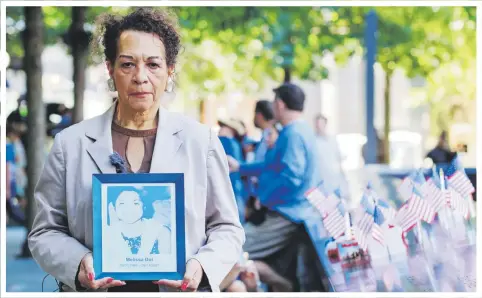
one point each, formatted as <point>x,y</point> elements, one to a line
<point>440,155</point>
<point>142,140</point>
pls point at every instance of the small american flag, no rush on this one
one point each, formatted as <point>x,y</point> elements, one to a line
<point>331,202</point>
<point>378,220</point>
<point>413,211</point>
<point>406,218</point>
<point>457,202</point>
<point>434,195</point>
<point>386,209</point>
<point>422,208</point>
<point>363,227</point>
<point>389,214</point>
<point>370,191</point>
<point>419,180</point>
<point>317,198</point>
<point>458,179</point>
<point>406,188</point>
<point>418,177</point>
<point>334,222</point>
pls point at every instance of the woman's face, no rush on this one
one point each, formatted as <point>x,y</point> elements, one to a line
<point>129,207</point>
<point>140,72</point>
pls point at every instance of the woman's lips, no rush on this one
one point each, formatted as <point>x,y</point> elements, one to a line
<point>139,94</point>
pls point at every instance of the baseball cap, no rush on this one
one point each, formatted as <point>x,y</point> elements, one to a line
<point>235,124</point>
<point>291,95</point>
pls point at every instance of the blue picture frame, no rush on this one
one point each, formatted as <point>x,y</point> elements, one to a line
<point>130,180</point>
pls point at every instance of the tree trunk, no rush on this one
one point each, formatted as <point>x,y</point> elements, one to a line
<point>287,77</point>
<point>33,46</point>
<point>202,111</point>
<point>79,56</point>
<point>386,127</point>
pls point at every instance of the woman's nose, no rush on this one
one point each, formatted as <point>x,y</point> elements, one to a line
<point>141,75</point>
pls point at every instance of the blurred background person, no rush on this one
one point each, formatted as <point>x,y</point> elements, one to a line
<point>231,134</point>
<point>249,148</point>
<point>14,137</point>
<point>64,114</point>
<point>441,154</point>
<point>14,200</point>
<point>18,119</point>
<point>264,120</point>
<point>380,157</point>
<point>331,160</point>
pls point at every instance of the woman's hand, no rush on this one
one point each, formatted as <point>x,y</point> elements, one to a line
<point>86,276</point>
<point>191,280</point>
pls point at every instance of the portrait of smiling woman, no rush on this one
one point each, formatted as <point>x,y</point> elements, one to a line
<point>140,51</point>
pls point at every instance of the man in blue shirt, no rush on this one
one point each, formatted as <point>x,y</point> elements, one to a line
<point>288,171</point>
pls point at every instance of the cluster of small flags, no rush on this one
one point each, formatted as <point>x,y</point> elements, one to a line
<point>423,199</point>
<point>370,217</point>
<point>331,209</point>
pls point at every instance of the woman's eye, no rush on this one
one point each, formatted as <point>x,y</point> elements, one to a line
<point>153,65</point>
<point>127,65</point>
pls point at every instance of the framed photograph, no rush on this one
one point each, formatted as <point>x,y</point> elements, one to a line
<point>139,228</point>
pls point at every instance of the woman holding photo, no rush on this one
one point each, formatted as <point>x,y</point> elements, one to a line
<point>140,51</point>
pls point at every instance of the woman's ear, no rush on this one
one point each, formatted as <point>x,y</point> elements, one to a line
<point>110,68</point>
<point>170,79</point>
<point>170,71</point>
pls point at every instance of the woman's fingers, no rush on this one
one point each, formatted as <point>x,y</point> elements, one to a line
<point>178,284</point>
<point>190,285</point>
<point>109,282</point>
<point>104,283</point>
<point>190,282</point>
<point>87,276</point>
<point>169,283</point>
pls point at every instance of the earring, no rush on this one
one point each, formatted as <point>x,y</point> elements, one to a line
<point>169,85</point>
<point>111,85</point>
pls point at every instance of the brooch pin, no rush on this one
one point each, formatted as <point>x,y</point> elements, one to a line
<point>119,163</point>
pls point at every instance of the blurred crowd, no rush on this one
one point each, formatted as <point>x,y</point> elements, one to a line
<point>58,117</point>
<point>269,178</point>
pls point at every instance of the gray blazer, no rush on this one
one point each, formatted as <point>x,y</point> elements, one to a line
<point>62,230</point>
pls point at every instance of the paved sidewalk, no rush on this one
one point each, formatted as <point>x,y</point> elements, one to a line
<point>24,275</point>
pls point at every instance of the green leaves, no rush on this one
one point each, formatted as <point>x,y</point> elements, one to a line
<point>239,48</point>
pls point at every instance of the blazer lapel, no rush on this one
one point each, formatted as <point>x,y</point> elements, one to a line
<point>167,142</point>
<point>101,148</point>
